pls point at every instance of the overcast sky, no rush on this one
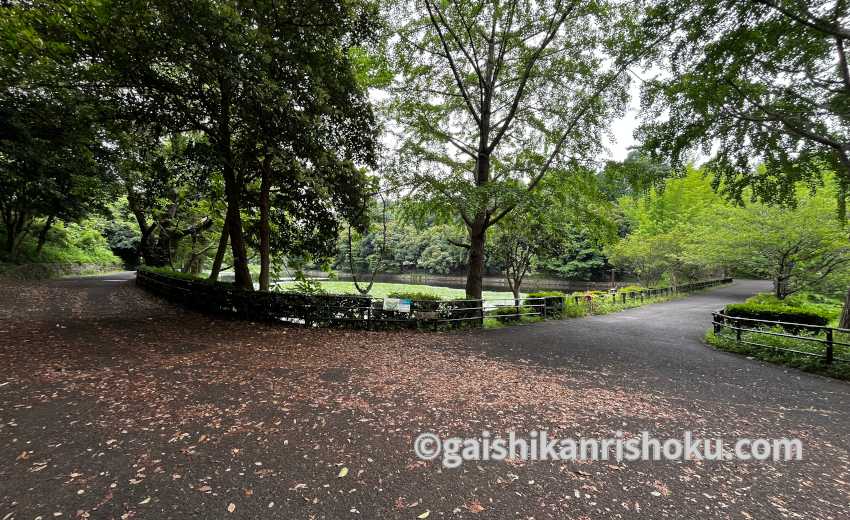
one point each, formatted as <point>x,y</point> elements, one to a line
<point>623,129</point>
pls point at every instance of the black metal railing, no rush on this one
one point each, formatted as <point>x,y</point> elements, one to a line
<point>365,312</point>
<point>660,292</point>
<point>746,328</point>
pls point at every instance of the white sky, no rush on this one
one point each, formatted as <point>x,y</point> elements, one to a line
<point>622,129</point>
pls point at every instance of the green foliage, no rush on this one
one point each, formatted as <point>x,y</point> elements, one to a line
<point>475,83</point>
<point>754,83</point>
<point>79,244</point>
<point>829,308</point>
<point>631,289</point>
<point>507,314</point>
<point>414,295</point>
<point>305,285</point>
<point>687,232</point>
<point>665,226</point>
<point>635,176</point>
<point>546,294</point>
<point>798,247</point>
<point>167,271</point>
<point>411,245</point>
<point>776,312</point>
<point>536,228</point>
<point>383,290</point>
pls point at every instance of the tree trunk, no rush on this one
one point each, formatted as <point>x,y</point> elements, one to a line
<point>475,263</point>
<point>265,233</point>
<point>10,239</point>
<point>237,241</point>
<point>219,254</point>
<point>232,190</point>
<point>16,232</point>
<point>42,235</point>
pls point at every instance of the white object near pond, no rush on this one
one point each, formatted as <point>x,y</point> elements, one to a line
<point>397,304</point>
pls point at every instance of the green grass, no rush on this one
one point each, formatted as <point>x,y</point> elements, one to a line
<point>495,323</point>
<point>726,341</point>
<point>382,290</point>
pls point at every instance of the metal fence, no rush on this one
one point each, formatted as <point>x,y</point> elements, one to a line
<point>819,335</point>
<point>366,312</point>
<point>626,296</point>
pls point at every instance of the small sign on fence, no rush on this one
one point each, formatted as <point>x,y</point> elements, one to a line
<point>397,304</point>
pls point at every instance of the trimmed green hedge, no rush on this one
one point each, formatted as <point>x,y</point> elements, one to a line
<point>785,313</point>
<point>171,273</point>
<point>308,310</point>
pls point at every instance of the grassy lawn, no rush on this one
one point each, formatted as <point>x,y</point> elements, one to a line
<point>381,290</point>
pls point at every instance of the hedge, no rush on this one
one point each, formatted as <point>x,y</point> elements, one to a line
<point>346,311</point>
<point>757,311</point>
<point>554,301</point>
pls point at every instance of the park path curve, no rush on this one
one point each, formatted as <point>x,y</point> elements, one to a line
<point>662,346</point>
<point>114,404</point>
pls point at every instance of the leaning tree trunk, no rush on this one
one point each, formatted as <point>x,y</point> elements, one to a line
<point>219,254</point>
<point>232,190</point>
<point>42,235</point>
<point>237,240</point>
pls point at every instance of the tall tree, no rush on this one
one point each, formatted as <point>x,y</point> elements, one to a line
<point>754,81</point>
<point>228,68</point>
<point>53,162</point>
<point>564,200</point>
<point>493,95</point>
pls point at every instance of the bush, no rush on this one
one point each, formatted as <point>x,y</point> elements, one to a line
<point>829,308</point>
<point>171,273</point>
<point>776,312</point>
<point>415,296</point>
<point>554,302</point>
<point>545,294</point>
<point>631,289</point>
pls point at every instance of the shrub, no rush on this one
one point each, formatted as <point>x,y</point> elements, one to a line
<point>422,301</point>
<point>415,296</point>
<point>305,285</point>
<point>631,289</point>
<point>171,273</point>
<point>545,294</point>
<point>554,302</point>
<point>776,312</point>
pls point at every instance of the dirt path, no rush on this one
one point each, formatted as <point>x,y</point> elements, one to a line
<point>115,405</point>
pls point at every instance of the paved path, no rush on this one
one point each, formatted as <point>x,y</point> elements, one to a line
<point>662,346</point>
<point>116,405</point>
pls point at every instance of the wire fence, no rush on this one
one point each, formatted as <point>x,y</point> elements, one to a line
<point>366,312</point>
<point>796,338</point>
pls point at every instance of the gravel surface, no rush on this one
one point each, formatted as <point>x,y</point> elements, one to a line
<point>116,405</point>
